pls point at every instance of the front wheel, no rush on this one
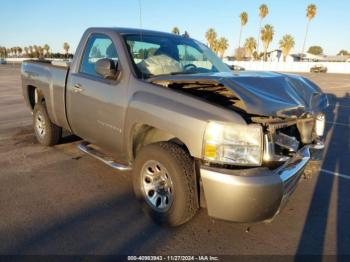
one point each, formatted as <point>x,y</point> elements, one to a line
<point>164,181</point>
<point>46,132</point>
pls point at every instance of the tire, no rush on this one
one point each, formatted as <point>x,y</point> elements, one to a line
<point>46,132</point>
<point>178,195</point>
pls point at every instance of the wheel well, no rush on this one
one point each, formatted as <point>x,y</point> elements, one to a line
<point>143,135</point>
<point>34,95</point>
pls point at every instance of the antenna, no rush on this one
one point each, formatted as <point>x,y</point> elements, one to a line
<point>140,14</point>
<point>140,17</point>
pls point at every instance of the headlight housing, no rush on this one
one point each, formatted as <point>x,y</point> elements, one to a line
<point>233,144</point>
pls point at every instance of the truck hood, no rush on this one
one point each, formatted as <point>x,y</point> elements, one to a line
<point>263,93</point>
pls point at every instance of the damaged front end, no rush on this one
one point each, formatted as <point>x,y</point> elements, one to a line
<point>248,172</point>
<point>288,107</point>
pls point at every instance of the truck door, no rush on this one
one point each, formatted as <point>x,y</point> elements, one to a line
<point>95,106</point>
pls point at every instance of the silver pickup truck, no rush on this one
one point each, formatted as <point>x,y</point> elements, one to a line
<point>193,133</point>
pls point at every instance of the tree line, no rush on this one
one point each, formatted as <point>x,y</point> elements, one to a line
<point>266,33</point>
<point>251,46</point>
<point>34,51</point>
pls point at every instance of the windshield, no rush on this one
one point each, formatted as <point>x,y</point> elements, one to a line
<point>165,55</point>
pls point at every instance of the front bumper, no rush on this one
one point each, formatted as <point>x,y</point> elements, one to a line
<point>252,195</point>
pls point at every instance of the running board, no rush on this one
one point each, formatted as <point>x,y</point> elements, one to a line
<point>84,147</point>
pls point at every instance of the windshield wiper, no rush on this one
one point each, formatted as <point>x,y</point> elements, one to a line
<point>170,74</point>
<point>175,73</point>
<point>182,73</point>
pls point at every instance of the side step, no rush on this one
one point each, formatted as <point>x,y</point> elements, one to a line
<point>84,147</point>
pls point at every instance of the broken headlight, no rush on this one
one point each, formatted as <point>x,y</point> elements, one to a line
<point>233,144</point>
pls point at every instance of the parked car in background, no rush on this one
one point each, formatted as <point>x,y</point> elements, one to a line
<point>318,69</point>
<point>2,61</point>
<point>192,133</point>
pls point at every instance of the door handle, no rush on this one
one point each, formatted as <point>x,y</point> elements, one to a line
<point>77,88</point>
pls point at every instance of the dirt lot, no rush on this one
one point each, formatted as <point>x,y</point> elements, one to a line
<point>60,201</point>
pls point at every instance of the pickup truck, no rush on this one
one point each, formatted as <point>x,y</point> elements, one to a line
<point>192,132</point>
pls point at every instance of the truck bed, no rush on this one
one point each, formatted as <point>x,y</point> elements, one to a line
<point>50,78</point>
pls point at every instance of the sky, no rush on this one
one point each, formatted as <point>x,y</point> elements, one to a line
<point>29,22</point>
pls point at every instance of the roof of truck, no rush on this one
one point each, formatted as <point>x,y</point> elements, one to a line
<point>125,30</point>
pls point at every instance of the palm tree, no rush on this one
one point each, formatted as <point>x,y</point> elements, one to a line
<point>250,46</point>
<point>66,48</point>
<point>310,14</point>
<point>19,51</point>
<point>263,12</point>
<point>2,52</point>
<point>286,44</point>
<point>30,50</point>
<point>222,45</point>
<point>175,30</point>
<point>40,51</point>
<point>211,35</point>
<point>35,51</point>
<point>266,37</point>
<point>244,19</point>
<point>215,46</point>
<point>26,50</point>
<point>343,52</point>
<point>47,49</point>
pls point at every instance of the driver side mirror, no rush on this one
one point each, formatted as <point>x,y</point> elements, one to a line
<point>107,68</point>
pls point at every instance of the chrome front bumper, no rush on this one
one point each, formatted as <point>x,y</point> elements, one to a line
<point>254,194</point>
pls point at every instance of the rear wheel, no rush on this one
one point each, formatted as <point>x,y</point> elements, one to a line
<point>165,183</point>
<point>46,132</point>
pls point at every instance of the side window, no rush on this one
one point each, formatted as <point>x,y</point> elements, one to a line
<point>97,47</point>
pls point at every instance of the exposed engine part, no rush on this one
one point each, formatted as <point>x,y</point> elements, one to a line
<point>266,120</point>
<point>319,144</point>
<point>274,123</point>
<point>284,137</point>
<point>288,142</point>
<point>269,151</point>
<point>306,128</point>
<point>210,91</point>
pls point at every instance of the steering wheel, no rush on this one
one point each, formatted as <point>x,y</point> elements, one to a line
<point>189,66</point>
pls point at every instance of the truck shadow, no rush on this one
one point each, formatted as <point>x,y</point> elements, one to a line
<point>69,138</point>
<point>336,159</point>
<point>114,226</point>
